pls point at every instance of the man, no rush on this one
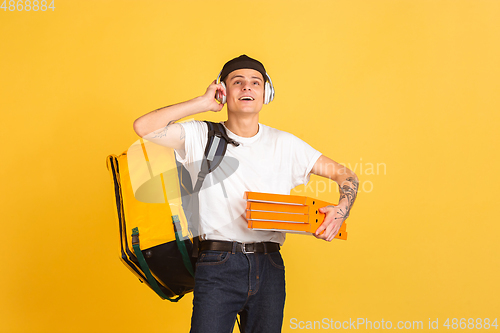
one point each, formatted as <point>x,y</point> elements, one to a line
<point>229,279</point>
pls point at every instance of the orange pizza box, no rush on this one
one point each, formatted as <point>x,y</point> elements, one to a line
<point>288,213</point>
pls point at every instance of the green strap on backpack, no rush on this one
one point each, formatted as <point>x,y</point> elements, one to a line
<point>181,245</point>
<point>145,268</point>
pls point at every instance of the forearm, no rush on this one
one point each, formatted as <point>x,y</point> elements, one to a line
<point>348,188</point>
<point>167,115</point>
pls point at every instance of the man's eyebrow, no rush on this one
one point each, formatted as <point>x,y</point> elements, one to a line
<point>239,75</point>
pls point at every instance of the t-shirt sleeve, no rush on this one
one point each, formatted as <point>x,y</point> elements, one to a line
<point>194,142</point>
<point>303,159</point>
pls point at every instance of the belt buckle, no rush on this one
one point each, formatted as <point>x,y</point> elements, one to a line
<point>244,250</point>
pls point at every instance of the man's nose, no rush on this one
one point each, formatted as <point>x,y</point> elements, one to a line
<point>246,86</point>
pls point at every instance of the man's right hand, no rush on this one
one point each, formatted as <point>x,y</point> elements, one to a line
<point>209,97</point>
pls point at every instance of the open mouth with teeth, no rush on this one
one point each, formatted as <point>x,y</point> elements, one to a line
<point>246,98</point>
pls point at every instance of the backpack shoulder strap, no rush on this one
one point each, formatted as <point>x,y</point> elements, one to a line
<point>214,151</point>
<point>220,131</point>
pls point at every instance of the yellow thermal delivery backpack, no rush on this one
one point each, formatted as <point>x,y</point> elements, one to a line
<point>155,240</point>
<point>153,193</point>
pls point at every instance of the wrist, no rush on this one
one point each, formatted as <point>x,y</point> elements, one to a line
<point>199,105</point>
<point>344,204</point>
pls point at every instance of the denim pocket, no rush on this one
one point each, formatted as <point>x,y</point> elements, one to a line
<point>212,257</point>
<point>276,259</point>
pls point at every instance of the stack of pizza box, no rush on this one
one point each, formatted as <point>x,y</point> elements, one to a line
<point>288,213</point>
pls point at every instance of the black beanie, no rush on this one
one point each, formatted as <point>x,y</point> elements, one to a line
<point>243,61</point>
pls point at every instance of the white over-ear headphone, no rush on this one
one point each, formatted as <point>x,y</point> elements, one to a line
<point>268,90</point>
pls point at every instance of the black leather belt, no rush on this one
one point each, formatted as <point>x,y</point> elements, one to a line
<point>264,247</point>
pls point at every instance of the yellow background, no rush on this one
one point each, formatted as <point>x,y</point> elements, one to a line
<point>410,85</point>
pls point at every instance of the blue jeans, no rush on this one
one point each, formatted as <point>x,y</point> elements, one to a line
<point>251,284</point>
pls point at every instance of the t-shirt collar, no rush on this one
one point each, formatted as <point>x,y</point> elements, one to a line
<point>240,139</point>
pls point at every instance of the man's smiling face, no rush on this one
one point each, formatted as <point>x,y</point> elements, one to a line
<point>245,90</point>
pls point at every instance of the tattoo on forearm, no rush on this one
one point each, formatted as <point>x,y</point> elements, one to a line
<point>349,191</point>
<point>163,131</point>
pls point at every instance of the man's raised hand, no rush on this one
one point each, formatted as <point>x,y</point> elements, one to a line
<point>209,96</point>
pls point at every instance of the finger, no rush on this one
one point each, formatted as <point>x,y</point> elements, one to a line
<point>323,235</point>
<point>324,225</point>
<point>332,230</point>
<point>326,221</point>
<point>335,231</point>
<point>320,229</point>
<point>328,231</point>
<point>220,88</point>
<point>212,89</point>
<point>216,86</point>
<point>325,209</point>
<point>212,85</point>
<point>319,232</point>
<point>332,236</point>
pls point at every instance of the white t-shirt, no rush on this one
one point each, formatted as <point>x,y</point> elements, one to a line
<point>272,161</point>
